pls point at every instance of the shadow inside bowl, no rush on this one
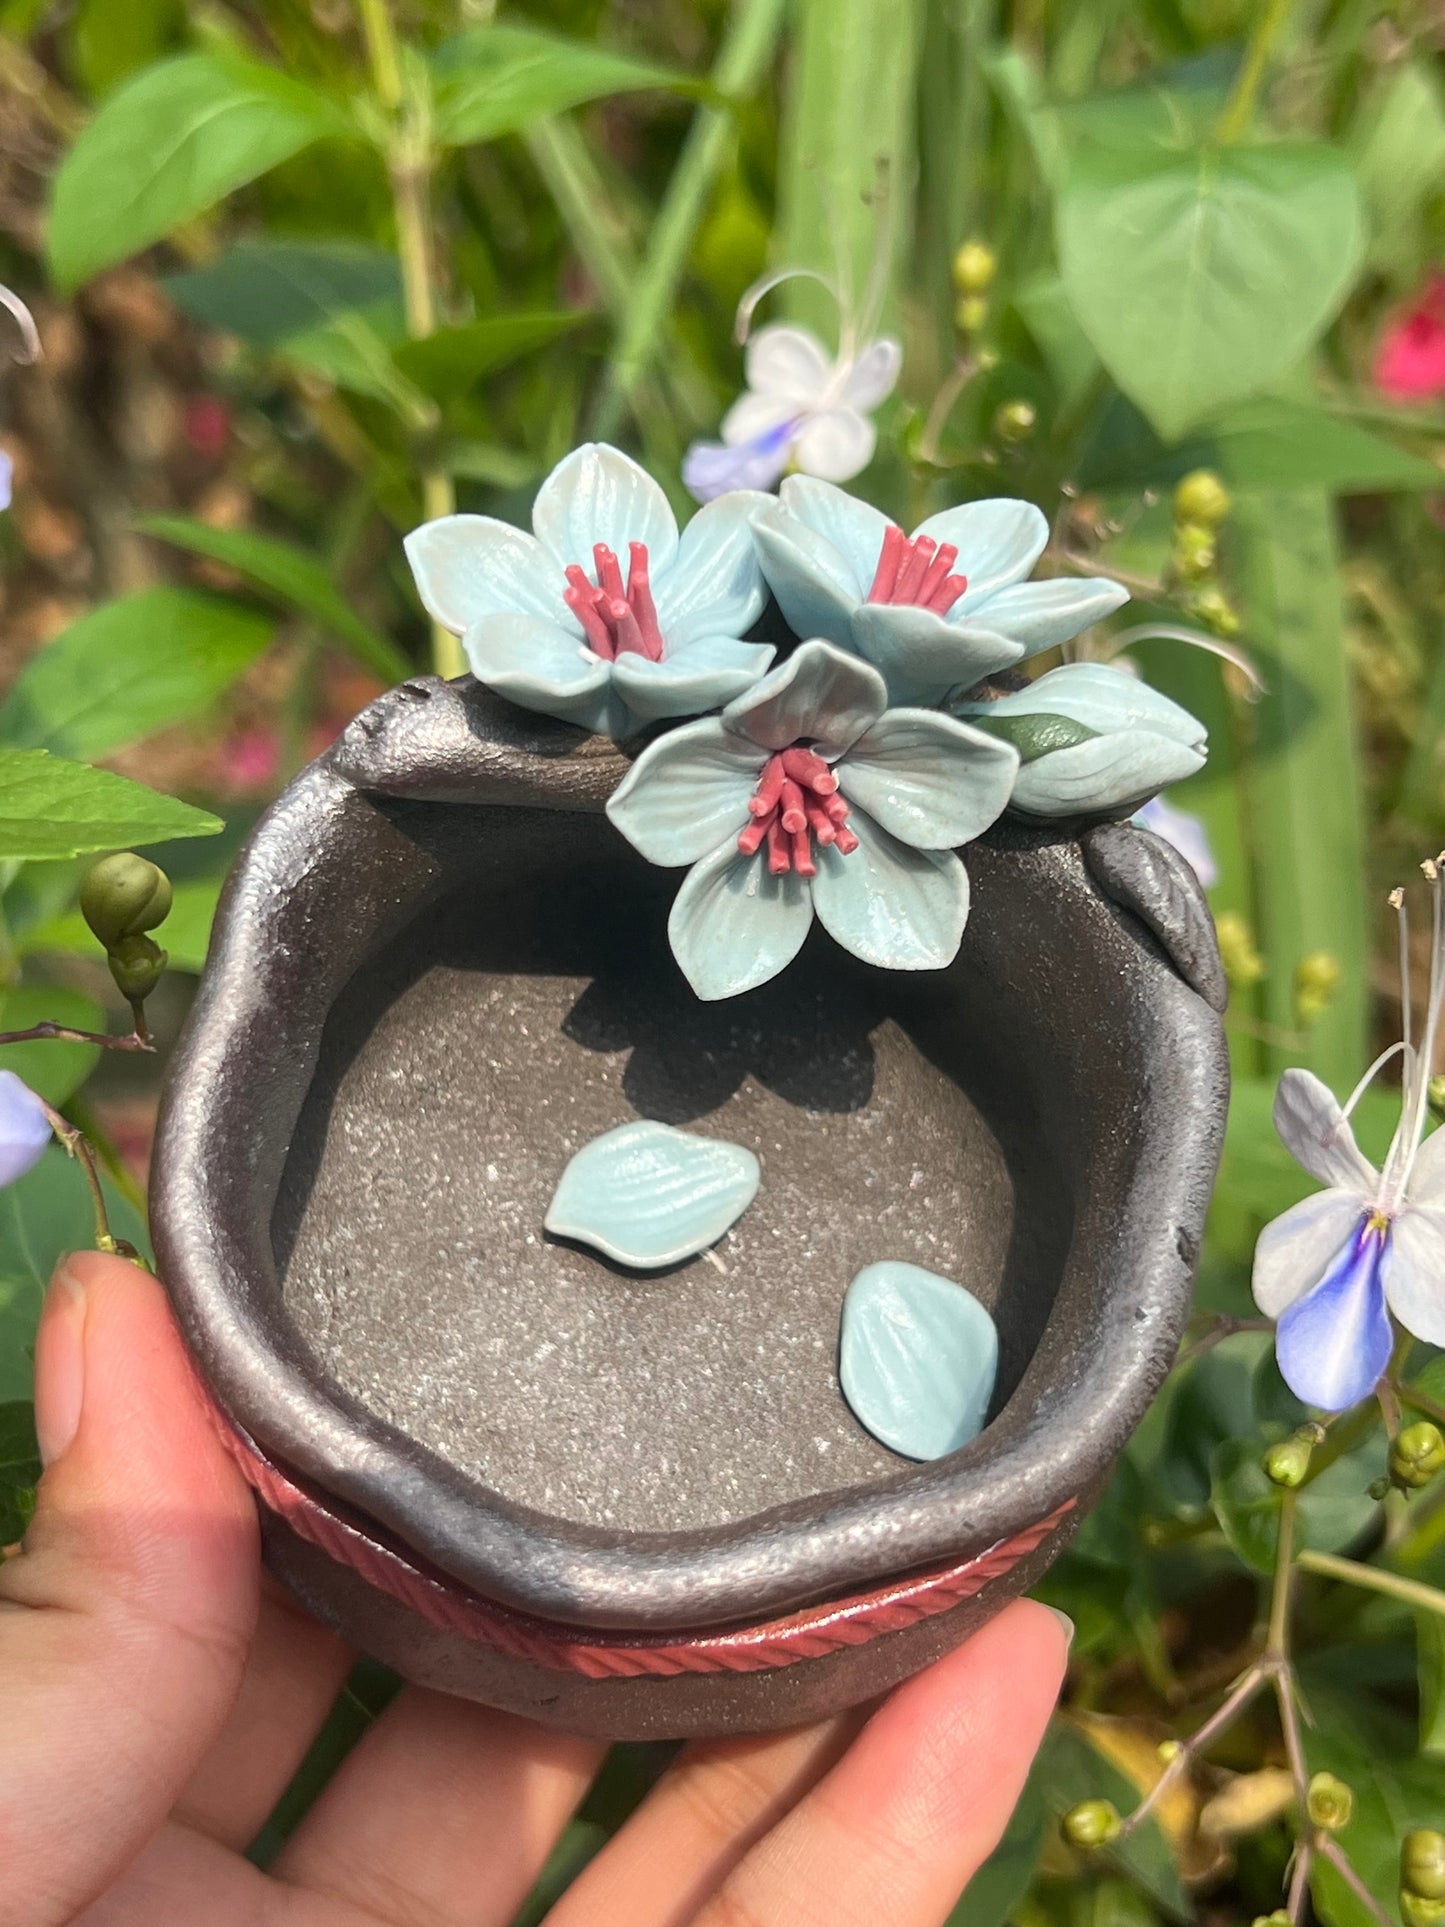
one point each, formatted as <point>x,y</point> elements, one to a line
<point>535,1005</point>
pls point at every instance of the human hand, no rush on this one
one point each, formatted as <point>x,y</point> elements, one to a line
<point>156,1697</point>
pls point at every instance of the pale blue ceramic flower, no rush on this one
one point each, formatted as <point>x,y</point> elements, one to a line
<point>24,1128</point>
<point>1091,740</point>
<point>1333,1268</point>
<point>936,611</point>
<point>808,795</point>
<point>605,615</point>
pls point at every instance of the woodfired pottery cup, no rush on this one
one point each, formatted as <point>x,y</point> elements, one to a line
<point>636,1505</point>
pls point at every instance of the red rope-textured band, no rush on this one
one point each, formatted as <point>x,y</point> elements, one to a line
<point>810,1634</point>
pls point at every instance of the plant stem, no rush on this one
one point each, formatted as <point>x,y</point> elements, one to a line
<point>63,1034</point>
<point>409,161</point>
<point>120,1173</point>
<point>745,52</point>
<point>77,1146</point>
<point>1418,1401</point>
<point>1332,1851</point>
<point>1235,119</point>
<point>1277,1638</point>
<point>1410,1592</point>
<point>1197,1743</point>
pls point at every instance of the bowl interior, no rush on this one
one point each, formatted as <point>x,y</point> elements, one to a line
<point>534,1004</point>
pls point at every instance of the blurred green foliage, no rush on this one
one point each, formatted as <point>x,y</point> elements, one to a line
<point>429,252</point>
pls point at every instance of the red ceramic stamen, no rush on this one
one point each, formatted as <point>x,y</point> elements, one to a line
<point>889,556</point>
<point>794,806</point>
<point>614,619</point>
<point>916,574</point>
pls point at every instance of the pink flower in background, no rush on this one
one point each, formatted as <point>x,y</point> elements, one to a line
<point>1410,360</point>
<point>251,759</point>
<point>207,425</point>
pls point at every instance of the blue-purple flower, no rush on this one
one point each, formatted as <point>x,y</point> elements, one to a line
<point>24,1128</point>
<point>1186,832</point>
<point>810,796</point>
<point>935,611</point>
<point>604,616</point>
<point>1333,1269</point>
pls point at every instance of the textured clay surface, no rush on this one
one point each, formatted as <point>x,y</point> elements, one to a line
<point>486,1047</point>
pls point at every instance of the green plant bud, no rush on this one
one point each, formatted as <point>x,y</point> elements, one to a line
<point>1201,497</point>
<point>974,267</point>
<point>1378,1489</point>
<point>970,312</point>
<point>1015,422</point>
<point>1216,612</point>
<point>1435,1096</point>
<point>1279,1918</point>
<point>1417,1454</point>
<point>124,896</point>
<point>1330,1803</point>
<point>1168,1750</point>
<point>137,964</point>
<point>1316,979</point>
<point>1288,1463</point>
<point>1194,551</point>
<point>1417,1910</point>
<point>1243,964</point>
<point>1092,1823</point>
<point>1422,1863</point>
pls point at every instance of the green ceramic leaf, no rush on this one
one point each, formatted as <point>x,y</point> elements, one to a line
<point>1201,276</point>
<point>917,1359</point>
<point>647,1194</point>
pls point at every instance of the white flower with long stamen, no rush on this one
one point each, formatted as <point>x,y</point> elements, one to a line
<point>1334,1268</point>
<point>801,408</point>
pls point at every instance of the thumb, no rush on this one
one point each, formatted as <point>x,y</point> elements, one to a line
<point>126,1616</point>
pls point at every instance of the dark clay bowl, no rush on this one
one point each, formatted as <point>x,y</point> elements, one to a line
<point>636,1505</point>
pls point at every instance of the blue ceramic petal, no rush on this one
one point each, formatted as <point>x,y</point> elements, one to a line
<point>713,586</point>
<point>1106,773</point>
<point>998,542</point>
<point>1334,1343</point>
<point>917,1360</point>
<point>929,780</point>
<point>24,1128</point>
<point>815,586</point>
<point>541,666</point>
<point>819,694</point>
<point>1100,698</point>
<point>924,657</point>
<point>599,494</point>
<point>733,925</point>
<point>687,793</point>
<point>703,675</point>
<point>468,567</point>
<point>854,528</point>
<point>899,908</point>
<point>647,1194</point>
<point>1042,614</point>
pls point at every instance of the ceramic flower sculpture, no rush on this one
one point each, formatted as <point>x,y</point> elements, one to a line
<point>809,796</point>
<point>935,611</point>
<point>604,615</point>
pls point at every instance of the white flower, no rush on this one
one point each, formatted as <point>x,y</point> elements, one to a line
<point>1333,1268</point>
<point>800,408</point>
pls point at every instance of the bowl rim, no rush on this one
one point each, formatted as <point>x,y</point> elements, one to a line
<point>1056,1437</point>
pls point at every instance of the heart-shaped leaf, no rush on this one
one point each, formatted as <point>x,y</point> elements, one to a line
<point>1201,276</point>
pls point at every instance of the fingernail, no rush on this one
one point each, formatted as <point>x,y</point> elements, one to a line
<point>60,1364</point>
<point>1064,1620</point>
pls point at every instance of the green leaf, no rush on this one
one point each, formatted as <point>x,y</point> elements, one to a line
<point>1393,1793</point>
<point>19,1469</point>
<point>169,145</point>
<point>51,808</point>
<point>453,360</point>
<point>53,1070</point>
<point>185,935</point>
<point>496,80</point>
<point>44,1216</point>
<point>109,43</point>
<point>1005,1877</point>
<point>289,575</point>
<point>1202,277</point>
<point>1399,155</point>
<point>355,351</point>
<point>266,291</point>
<point>130,668</point>
<point>1430,1661</point>
<point>1071,1769</point>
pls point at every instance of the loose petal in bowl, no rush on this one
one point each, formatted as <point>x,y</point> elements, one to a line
<point>648,1195</point>
<point>918,1358</point>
